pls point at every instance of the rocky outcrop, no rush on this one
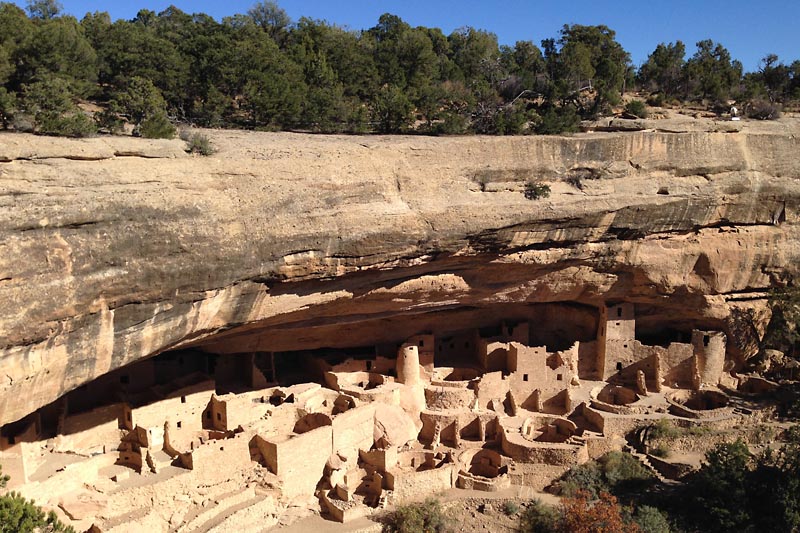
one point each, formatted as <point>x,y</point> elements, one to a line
<point>113,250</point>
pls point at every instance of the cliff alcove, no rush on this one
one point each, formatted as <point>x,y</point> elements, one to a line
<point>376,305</point>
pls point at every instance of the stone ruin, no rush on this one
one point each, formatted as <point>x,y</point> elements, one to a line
<point>197,442</point>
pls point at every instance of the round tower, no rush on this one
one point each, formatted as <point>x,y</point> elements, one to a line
<point>408,365</point>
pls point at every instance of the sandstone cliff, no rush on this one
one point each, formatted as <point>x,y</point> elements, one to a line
<point>113,250</point>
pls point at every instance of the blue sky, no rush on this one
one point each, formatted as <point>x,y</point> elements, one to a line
<point>750,29</point>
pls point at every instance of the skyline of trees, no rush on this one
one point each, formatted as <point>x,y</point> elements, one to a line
<point>262,70</point>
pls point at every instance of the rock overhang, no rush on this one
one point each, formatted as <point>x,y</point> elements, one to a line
<point>109,259</point>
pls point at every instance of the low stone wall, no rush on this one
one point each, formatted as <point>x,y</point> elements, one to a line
<point>474,482</point>
<point>411,486</point>
<point>519,449</point>
<point>535,476</point>
<point>438,397</point>
<point>599,446</point>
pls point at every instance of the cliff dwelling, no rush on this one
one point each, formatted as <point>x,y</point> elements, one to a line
<point>469,402</point>
<point>326,327</point>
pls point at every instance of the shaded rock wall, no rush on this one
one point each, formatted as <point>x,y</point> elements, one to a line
<point>114,250</point>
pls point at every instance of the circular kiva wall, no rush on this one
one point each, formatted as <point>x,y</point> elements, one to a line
<point>698,404</point>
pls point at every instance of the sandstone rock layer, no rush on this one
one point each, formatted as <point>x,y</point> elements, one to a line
<point>113,250</point>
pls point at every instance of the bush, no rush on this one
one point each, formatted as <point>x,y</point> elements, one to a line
<point>588,477</point>
<point>539,518</point>
<point>662,450</point>
<point>651,520</point>
<point>656,100</point>
<point>621,467</point>
<point>453,124</point>
<point>73,125</point>
<point>109,119</point>
<point>614,472</point>
<point>427,517</point>
<point>605,515</point>
<point>666,430</point>
<point>156,126</point>
<point>535,190</point>
<point>763,110</point>
<point>510,508</point>
<point>20,515</point>
<point>49,106</point>
<point>663,429</point>
<point>717,496</point>
<point>23,123</point>
<point>554,120</point>
<point>636,108</point>
<point>197,143</point>
<point>8,106</point>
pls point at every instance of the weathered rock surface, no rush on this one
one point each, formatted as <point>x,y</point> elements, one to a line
<point>113,250</point>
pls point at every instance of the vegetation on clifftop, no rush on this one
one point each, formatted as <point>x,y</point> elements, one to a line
<point>262,70</point>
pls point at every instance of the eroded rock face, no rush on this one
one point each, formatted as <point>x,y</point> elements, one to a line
<point>115,250</point>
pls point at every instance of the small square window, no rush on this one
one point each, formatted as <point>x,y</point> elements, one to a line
<point>183,399</point>
<point>178,424</point>
<point>524,377</point>
<point>560,377</point>
<point>219,417</point>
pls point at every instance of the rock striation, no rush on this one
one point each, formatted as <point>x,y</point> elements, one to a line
<point>114,250</point>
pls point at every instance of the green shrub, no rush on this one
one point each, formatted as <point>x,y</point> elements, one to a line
<point>663,429</point>
<point>613,472</point>
<point>72,125</point>
<point>651,520</point>
<point>554,120</point>
<point>535,190</point>
<point>109,119</point>
<point>8,106</point>
<point>156,126</point>
<point>666,430</point>
<point>636,108</point>
<point>22,516</point>
<point>23,123</point>
<point>197,143</point>
<point>48,105</point>
<point>510,508</point>
<point>453,124</point>
<point>424,517</point>
<point>656,100</point>
<point>539,518</point>
<point>588,477</point>
<point>621,467</point>
<point>662,450</point>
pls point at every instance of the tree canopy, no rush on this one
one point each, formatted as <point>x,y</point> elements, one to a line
<point>260,69</point>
